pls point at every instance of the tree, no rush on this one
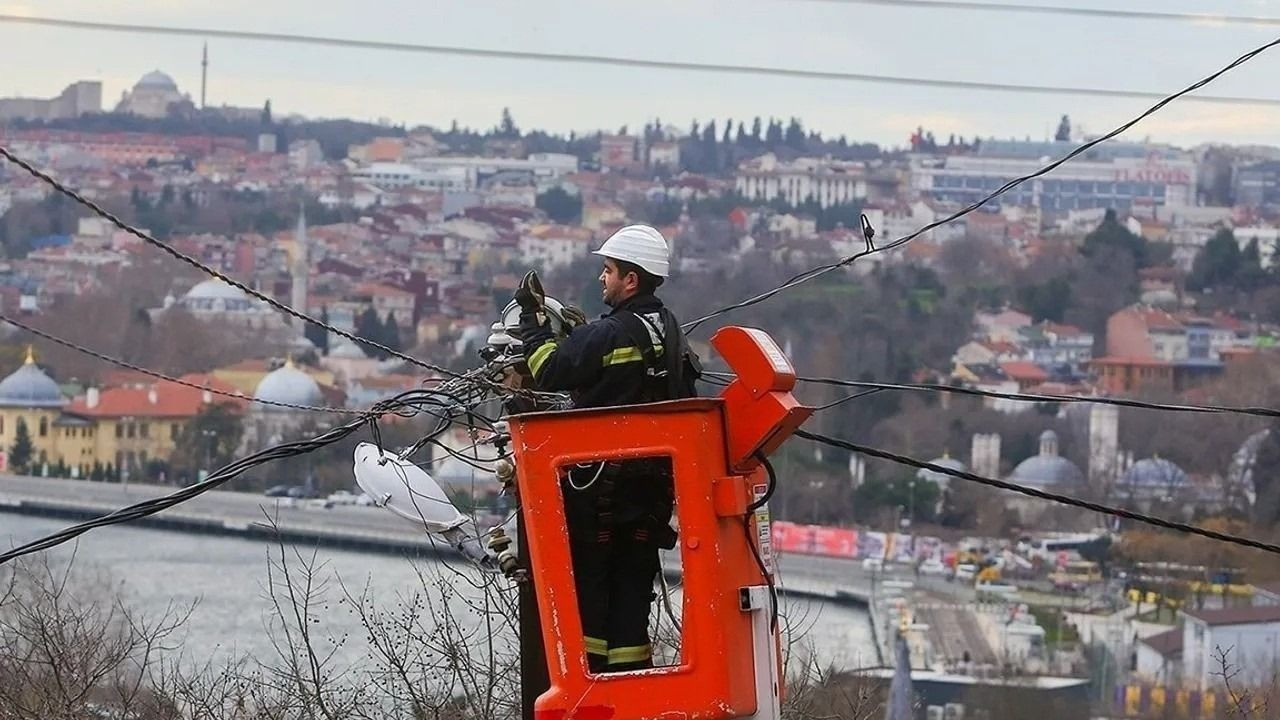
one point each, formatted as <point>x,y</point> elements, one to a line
<point>1111,234</point>
<point>21,451</point>
<point>756,129</point>
<point>97,474</point>
<point>266,114</point>
<point>369,326</point>
<point>391,332</point>
<point>1064,130</point>
<point>560,205</point>
<point>1046,301</point>
<point>208,441</point>
<point>318,335</point>
<point>1217,262</point>
<point>507,126</point>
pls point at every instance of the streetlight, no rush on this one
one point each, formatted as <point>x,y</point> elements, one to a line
<point>211,438</point>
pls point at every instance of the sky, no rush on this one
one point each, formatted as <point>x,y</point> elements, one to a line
<point>411,88</point>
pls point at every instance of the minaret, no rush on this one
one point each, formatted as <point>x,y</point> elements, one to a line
<point>301,269</point>
<point>204,74</point>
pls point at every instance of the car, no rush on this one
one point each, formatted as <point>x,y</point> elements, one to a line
<point>342,497</point>
<point>277,491</point>
<point>303,492</point>
<point>364,500</point>
<point>873,564</point>
<point>966,571</point>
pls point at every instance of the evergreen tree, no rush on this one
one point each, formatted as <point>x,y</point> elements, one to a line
<point>266,114</point>
<point>369,327</point>
<point>773,135</point>
<point>756,129</point>
<point>560,205</point>
<point>794,136</point>
<point>318,335</point>
<point>109,473</point>
<point>507,126</point>
<point>1064,130</point>
<point>1111,234</point>
<point>1217,262</point>
<point>728,133</point>
<point>97,474</point>
<point>21,450</point>
<point>391,332</point>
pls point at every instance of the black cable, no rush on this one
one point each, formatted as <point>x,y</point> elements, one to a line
<point>1113,14</point>
<point>752,540</point>
<point>1042,494</point>
<point>405,401</point>
<point>820,270</point>
<point>1046,398</point>
<point>616,61</point>
<point>167,378</point>
<point>193,262</point>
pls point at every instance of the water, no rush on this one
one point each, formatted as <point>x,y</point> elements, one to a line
<point>228,578</point>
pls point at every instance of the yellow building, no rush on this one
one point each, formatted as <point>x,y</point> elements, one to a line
<point>31,397</point>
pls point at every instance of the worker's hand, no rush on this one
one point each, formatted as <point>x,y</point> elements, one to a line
<point>529,293</point>
<point>573,316</point>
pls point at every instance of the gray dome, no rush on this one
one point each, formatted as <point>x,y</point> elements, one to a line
<point>937,478</point>
<point>1154,472</point>
<point>1046,471</point>
<point>28,386</point>
<point>157,80</point>
<point>288,384</point>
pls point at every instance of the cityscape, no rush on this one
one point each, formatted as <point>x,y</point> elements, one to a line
<point>1107,332</point>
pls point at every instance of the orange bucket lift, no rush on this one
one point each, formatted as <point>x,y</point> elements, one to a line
<point>729,658</point>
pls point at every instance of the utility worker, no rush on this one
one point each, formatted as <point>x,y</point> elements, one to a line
<point>618,513</point>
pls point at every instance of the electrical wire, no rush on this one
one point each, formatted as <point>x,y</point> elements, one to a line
<point>719,378</point>
<point>1046,398</point>
<point>871,249</point>
<point>613,60</point>
<point>168,378</point>
<point>752,540</point>
<point>8,154</point>
<point>1109,13</point>
<point>1043,494</point>
<point>404,402</point>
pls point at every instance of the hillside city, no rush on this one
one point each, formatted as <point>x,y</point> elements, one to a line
<point>1138,271</point>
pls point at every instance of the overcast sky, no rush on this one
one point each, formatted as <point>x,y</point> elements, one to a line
<point>417,88</point>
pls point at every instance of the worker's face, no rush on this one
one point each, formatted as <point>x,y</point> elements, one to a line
<point>614,286</point>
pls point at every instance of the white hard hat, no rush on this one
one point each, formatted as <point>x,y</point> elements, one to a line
<point>639,244</point>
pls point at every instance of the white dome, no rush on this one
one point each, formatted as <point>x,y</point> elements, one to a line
<point>344,349</point>
<point>288,384</point>
<point>937,478</point>
<point>1154,472</point>
<point>215,290</point>
<point>156,80</point>
<point>28,386</point>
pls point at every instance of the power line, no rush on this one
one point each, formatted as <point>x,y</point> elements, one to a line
<point>193,262</point>
<point>167,378</point>
<point>618,61</point>
<point>1114,14</point>
<point>872,249</point>
<point>1041,397</point>
<point>1043,494</point>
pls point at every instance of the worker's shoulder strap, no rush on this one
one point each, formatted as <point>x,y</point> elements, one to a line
<point>678,368</point>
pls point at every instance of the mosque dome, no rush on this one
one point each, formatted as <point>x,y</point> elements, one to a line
<point>1048,468</point>
<point>156,80</point>
<point>937,478</point>
<point>215,289</point>
<point>29,386</point>
<point>1154,472</point>
<point>288,384</point>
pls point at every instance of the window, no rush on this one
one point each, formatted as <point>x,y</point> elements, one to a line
<point>173,431</point>
<point>44,427</point>
<point>119,430</point>
<point>132,430</point>
<point>144,429</point>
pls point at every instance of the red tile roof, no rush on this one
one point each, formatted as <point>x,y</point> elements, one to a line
<point>1023,371</point>
<point>1167,643</point>
<point>170,400</point>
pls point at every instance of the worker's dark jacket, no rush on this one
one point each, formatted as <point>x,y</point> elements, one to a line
<point>603,362</point>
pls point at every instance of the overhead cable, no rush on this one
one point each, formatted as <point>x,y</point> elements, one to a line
<point>871,249</point>
<point>1048,398</point>
<point>1110,13</point>
<point>406,402</point>
<point>612,60</point>
<point>193,262</point>
<point>1043,494</point>
<point>168,378</point>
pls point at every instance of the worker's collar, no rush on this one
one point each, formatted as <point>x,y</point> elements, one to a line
<point>637,300</point>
